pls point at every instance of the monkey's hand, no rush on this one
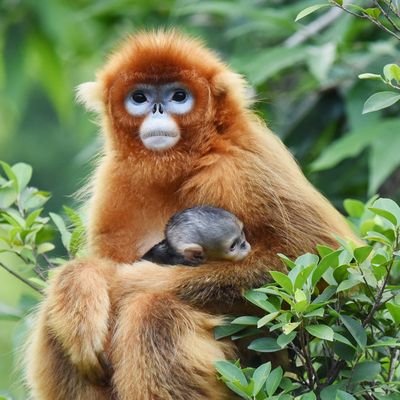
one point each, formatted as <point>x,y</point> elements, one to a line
<point>77,309</point>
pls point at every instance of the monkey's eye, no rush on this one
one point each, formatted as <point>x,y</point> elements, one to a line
<point>233,246</point>
<point>243,245</point>
<point>179,96</point>
<point>138,97</point>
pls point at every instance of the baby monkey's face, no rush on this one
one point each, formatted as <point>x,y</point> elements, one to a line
<point>225,240</point>
<point>232,248</point>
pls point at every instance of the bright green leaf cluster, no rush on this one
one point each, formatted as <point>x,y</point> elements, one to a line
<point>336,313</point>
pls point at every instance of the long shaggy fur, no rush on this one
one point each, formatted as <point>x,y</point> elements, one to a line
<point>154,324</point>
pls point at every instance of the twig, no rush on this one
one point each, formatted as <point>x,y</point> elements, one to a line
<point>308,363</point>
<point>387,16</point>
<point>393,361</point>
<point>22,279</point>
<point>368,17</point>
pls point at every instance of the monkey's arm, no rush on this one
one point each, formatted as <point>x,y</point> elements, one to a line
<point>218,282</point>
<point>77,310</point>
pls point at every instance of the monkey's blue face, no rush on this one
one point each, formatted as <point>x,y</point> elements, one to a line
<point>157,104</point>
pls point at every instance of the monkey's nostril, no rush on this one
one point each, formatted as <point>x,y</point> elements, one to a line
<point>160,109</point>
<point>154,108</point>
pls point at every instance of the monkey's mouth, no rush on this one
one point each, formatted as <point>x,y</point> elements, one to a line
<point>158,134</point>
<point>159,140</point>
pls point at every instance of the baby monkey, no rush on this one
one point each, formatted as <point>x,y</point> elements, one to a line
<point>199,234</point>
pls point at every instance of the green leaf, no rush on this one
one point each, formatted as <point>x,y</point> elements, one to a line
<point>347,284</point>
<point>356,330</point>
<point>383,158</point>
<point>355,208</point>
<point>10,174</point>
<point>354,142</point>
<point>231,372</point>
<point>289,327</point>
<point>269,62</point>
<point>23,174</point>
<point>226,330</point>
<point>392,72</point>
<point>321,331</point>
<point>340,338</point>
<point>8,195</point>
<point>362,253</point>
<point>282,280</point>
<point>387,209</point>
<point>380,100</point>
<point>320,60</point>
<point>259,299</point>
<point>341,395</point>
<point>394,310</point>
<point>308,396</point>
<point>238,390</point>
<point>267,318</point>
<point>309,10</point>
<point>273,381</point>
<point>367,75</point>
<point>264,345</point>
<point>287,261</point>
<point>373,12</point>
<point>300,296</point>
<point>365,371</point>
<point>247,320</point>
<point>65,234</point>
<point>378,237</point>
<point>283,340</point>
<point>329,261</point>
<point>45,247</point>
<point>260,376</point>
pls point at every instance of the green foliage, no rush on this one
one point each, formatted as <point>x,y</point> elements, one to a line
<point>25,234</point>
<point>337,314</point>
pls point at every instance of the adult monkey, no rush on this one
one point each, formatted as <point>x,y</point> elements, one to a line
<point>178,133</point>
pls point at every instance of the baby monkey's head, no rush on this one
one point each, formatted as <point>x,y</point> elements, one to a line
<point>207,233</point>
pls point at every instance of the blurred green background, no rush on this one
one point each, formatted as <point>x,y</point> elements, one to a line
<point>304,75</point>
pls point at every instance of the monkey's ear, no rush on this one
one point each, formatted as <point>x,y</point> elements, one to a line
<point>234,85</point>
<point>193,252</point>
<point>90,95</point>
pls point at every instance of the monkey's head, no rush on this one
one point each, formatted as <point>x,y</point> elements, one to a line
<point>206,233</point>
<point>162,92</point>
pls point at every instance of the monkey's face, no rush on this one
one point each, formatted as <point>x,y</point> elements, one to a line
<point>164,93</point>
<point>157,105</point>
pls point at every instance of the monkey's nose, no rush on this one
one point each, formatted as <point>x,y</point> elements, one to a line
<point>160,108</point>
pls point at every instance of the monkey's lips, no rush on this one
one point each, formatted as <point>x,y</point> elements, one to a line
<point>159,140</point>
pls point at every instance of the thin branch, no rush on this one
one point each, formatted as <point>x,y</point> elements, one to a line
<point>22,279</point>
<point>369,18</point>
<point>387,16</point>
<point>393,361</point>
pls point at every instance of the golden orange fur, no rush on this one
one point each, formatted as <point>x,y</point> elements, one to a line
<point>154,324</point>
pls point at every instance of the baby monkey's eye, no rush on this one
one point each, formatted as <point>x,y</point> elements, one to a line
<point>179,95</point>
<point>233,246</point>
<point>138,97</point>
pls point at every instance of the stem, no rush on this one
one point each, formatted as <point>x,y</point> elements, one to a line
<point>308,364</point>
<point>393,361</point>
<point>387,16</point>
<point>22,279</point>
<point>368,17</point>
